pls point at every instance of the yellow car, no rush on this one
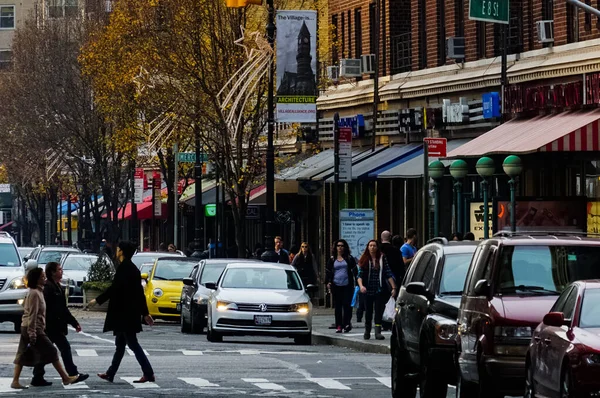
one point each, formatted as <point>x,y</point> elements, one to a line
<point>164,284</point>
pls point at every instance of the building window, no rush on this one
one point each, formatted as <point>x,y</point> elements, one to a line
<point>459,18</point>
<point>5,60</point>
<point>357,32</point>
<point>383,39</point>
<point>334,40</point>
<point>343,32</point>
<point>481,39</point>
<point>422,34</point>
<point>572,23</point>
<point>350,36</point>
<point>588,17</point>
<point>7,17</point>
<point>548,10</point>
<point>62,8</point>
<point>372,45</point>
<point>515,31</point>
<point>441,22</point>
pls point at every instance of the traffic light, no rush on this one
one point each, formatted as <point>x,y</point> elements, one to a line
<point>242,3</point>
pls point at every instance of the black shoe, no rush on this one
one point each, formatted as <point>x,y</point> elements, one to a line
<point>81,377</point>
<point>106,377</point>
<point>40,383</point>
<point>348,328</point>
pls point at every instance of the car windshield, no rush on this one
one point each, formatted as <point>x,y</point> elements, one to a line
<point>173,270</point>
<point>590,309</point>
<point>261,278</point>
<point>545,270</point>
<point>138,260</point>
<point>212,272</point>
<point>9,257</point>
<point>25,251</point>
<point>455,273</point>
<point>72,263</point>
<point>47,256</point>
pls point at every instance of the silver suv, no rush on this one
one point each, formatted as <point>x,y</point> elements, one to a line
<point>12,284</point>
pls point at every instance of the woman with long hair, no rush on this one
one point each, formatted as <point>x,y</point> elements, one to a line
<point>34,346</point>
<point>340,275</point>
<point>375,279</point>
<point>306,265</point>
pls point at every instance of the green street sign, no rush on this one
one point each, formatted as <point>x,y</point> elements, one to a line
<point>190,157</point>
<point>210,210</point>
<point>495,11</point>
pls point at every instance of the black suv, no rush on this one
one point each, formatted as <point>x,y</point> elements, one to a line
<point>423,344</point>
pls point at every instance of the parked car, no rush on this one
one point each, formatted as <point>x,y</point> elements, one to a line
<point>12,282</point>
<point>164,284</point>
<point>424,329</point>
<point>564,354</point>
<point>195,295</point>
<point>42,255</point>
<point>25,252</point>
<point>75,271</point>
<point>267,299</point>
<point>513,281</point>
<point>140,258</point>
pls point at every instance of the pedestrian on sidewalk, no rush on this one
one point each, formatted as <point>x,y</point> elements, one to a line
<point>306,265</point>
<point>340,276</point>
<point>284,255</point>
<point>409,249</point>
<point>126,308</point>
<point>394,259</point>
<point>58,317</point>
<point>376,281</point>
<point>34,346</point>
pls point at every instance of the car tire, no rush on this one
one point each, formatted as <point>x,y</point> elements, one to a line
<point>529,384</point>
<point>402,386</point>
<point>432,383</point>
<point>185,327</point>
<point>567,388</point>
<point>214,337</point>
<point>197,326</point>
<point>303,340</point>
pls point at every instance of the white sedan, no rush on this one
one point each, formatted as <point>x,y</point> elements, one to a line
<point>264,299</point>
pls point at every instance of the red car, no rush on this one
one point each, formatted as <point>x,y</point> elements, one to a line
<point>564,354</point>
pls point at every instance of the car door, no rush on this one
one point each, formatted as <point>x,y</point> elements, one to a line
<point>187,293</point>
<point>416,305</point>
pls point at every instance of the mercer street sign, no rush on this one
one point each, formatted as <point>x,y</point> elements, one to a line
<point>495,11</point>
<point>190,157</point>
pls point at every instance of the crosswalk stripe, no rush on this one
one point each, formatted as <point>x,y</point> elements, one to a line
<point>249,352</point>
<point>139,385</point>
<point>386,381</point>
<point>198,382</point>
<point>76,386</point>
<point>264,384</point>
<point>5,384</point>
<point>86,352</point>
<point>330,384</point>
<point>191,352</point>
<point>131,353</point>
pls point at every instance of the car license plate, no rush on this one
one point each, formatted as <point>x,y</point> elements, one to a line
<point>263,320</point>
<point>179,307</point>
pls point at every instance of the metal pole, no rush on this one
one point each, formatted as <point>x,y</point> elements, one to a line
<point>436,211</point>
<point>335,197</point>
<point>486,210</point>
<point>585,7</point>
<point>69,229</point>
<point>269,254</point>
<point>176,194</point>
<point>376,77</point>
<point>425,190</point>
<point>459,221</point>
<point>503,73</point>
<point>153,245</point>
<point>199,210</point>
<point>513,226</point>
<point>218,212</point>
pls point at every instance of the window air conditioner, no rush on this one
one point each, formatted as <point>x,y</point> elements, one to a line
<point>367,64</point>
<point>350,68</point>
<point>545,31</point>
<point>455,47</point>
<point>333,73</point>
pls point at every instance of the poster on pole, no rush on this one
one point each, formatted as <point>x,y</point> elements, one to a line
<point>296,66</point>
<point>138,185</point>
<point>357,227</point>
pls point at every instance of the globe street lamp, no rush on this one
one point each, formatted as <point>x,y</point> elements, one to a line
<point>512,167</point>
<point>458,171</point>
<point>485,168</point>
<point>436,172</point>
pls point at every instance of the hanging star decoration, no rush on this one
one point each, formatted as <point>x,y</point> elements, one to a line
<point>262,45</point>
<point>142,80</point>
<point>240,42</point>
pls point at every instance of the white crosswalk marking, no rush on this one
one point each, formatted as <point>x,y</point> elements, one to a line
<point>131,353</point>
<point>249,352</point>
<point>198,382</point>
<point>330,384</point>
<point>192,352</point>
<point>139,385</point>
<point>5,384</point>
<point>264,384</point>
<point>86,352</point>
<point>386,381</point>
<point>76,386</point>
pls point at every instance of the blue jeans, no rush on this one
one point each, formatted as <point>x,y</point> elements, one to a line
<point>121,340</point>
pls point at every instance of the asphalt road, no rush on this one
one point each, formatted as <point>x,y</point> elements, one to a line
<point>187,365</point>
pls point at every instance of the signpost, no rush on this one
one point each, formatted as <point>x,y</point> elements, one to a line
<point>495,11</point>
<point>437,147</point>
<point>190,157</point>
<point>345,154</point>
<point>138,184</point>
<point>357,227</point>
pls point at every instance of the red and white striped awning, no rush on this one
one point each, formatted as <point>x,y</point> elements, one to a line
<point>583,139</point>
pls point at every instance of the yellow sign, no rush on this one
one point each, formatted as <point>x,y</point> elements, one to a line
<point>593,217</point>
<point>64,226</point>
<point>476,219</point>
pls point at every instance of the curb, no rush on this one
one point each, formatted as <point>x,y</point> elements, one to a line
<point>324,339</point>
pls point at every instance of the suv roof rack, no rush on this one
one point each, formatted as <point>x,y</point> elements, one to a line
<point>439,239</point>
<point>553,234</point>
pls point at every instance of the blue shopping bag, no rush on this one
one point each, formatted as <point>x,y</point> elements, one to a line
<point>355,299</point>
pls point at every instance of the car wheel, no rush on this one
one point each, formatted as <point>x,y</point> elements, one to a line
<point>567,389</point>
<point>303,340</point>
<point>213,337</point>
<point>529,386</point>
<point>433,384</point>
<point>402,386</point>
<point>185,327</point>
<point>196,324</point>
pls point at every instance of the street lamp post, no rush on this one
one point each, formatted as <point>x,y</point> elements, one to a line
<point>269,255</point>
<point>459,170</point>
<point>512,167</point>
<point>485,168</point>
<point>436,172</point>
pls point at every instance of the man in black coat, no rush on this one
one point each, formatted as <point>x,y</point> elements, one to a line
<point>126,308</point>
<point>393,255</point>
<point>58,317</point>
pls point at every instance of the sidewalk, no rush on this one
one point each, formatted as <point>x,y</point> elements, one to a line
<point>322,320</point>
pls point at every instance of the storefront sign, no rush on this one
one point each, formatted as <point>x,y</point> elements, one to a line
<point>593,217</point>
<point>357,227</point>
<point>436,147</point>
<point>156,185</point>
<point>357,124</point>
<point>252,213</point>
<point>476,219</point>
<point>410,120</point>
<point>543,215</point>
<point>138,186</point>
<point>345,141</point>
<point>520,98</point>
<point>345,169</point>
<point>455,112</point>
<point>491,105</point>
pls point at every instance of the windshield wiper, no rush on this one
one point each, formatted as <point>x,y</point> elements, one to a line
<point>160,278</point>
<point>452,293</point>
<point>532,289</point>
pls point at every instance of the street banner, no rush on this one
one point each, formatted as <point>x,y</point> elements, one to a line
<point>138,184</point>
<point>296,66</point>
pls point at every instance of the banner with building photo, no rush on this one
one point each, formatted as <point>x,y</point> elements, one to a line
<point>296,66</point>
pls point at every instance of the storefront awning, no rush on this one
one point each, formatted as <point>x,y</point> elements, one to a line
<point>563,132</point>
<point>411,166</point>
<point>381,158</point>
<point>306,166</point>
<point>327,170</point>
<point>144,211</point>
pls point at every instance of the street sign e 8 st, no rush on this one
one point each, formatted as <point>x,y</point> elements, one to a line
<point>495,11</point>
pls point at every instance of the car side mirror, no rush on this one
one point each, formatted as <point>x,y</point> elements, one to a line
<point>482,288</point>
<point>312,288</point>
<point>554,319</point>
<point>145,276</point>
<point>211,285</point>
<point>188,281</point>
<point>417,288</point>
<point>31,264</point>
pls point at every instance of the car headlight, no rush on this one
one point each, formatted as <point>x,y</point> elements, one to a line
<point>513,331</point>
<point>302,308</point>
<point>17,283</point>
<point>446,330</point>
<point>201,300</point>
<point>226,306</point>
<point>158,292</point>
<point>591,359</point>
